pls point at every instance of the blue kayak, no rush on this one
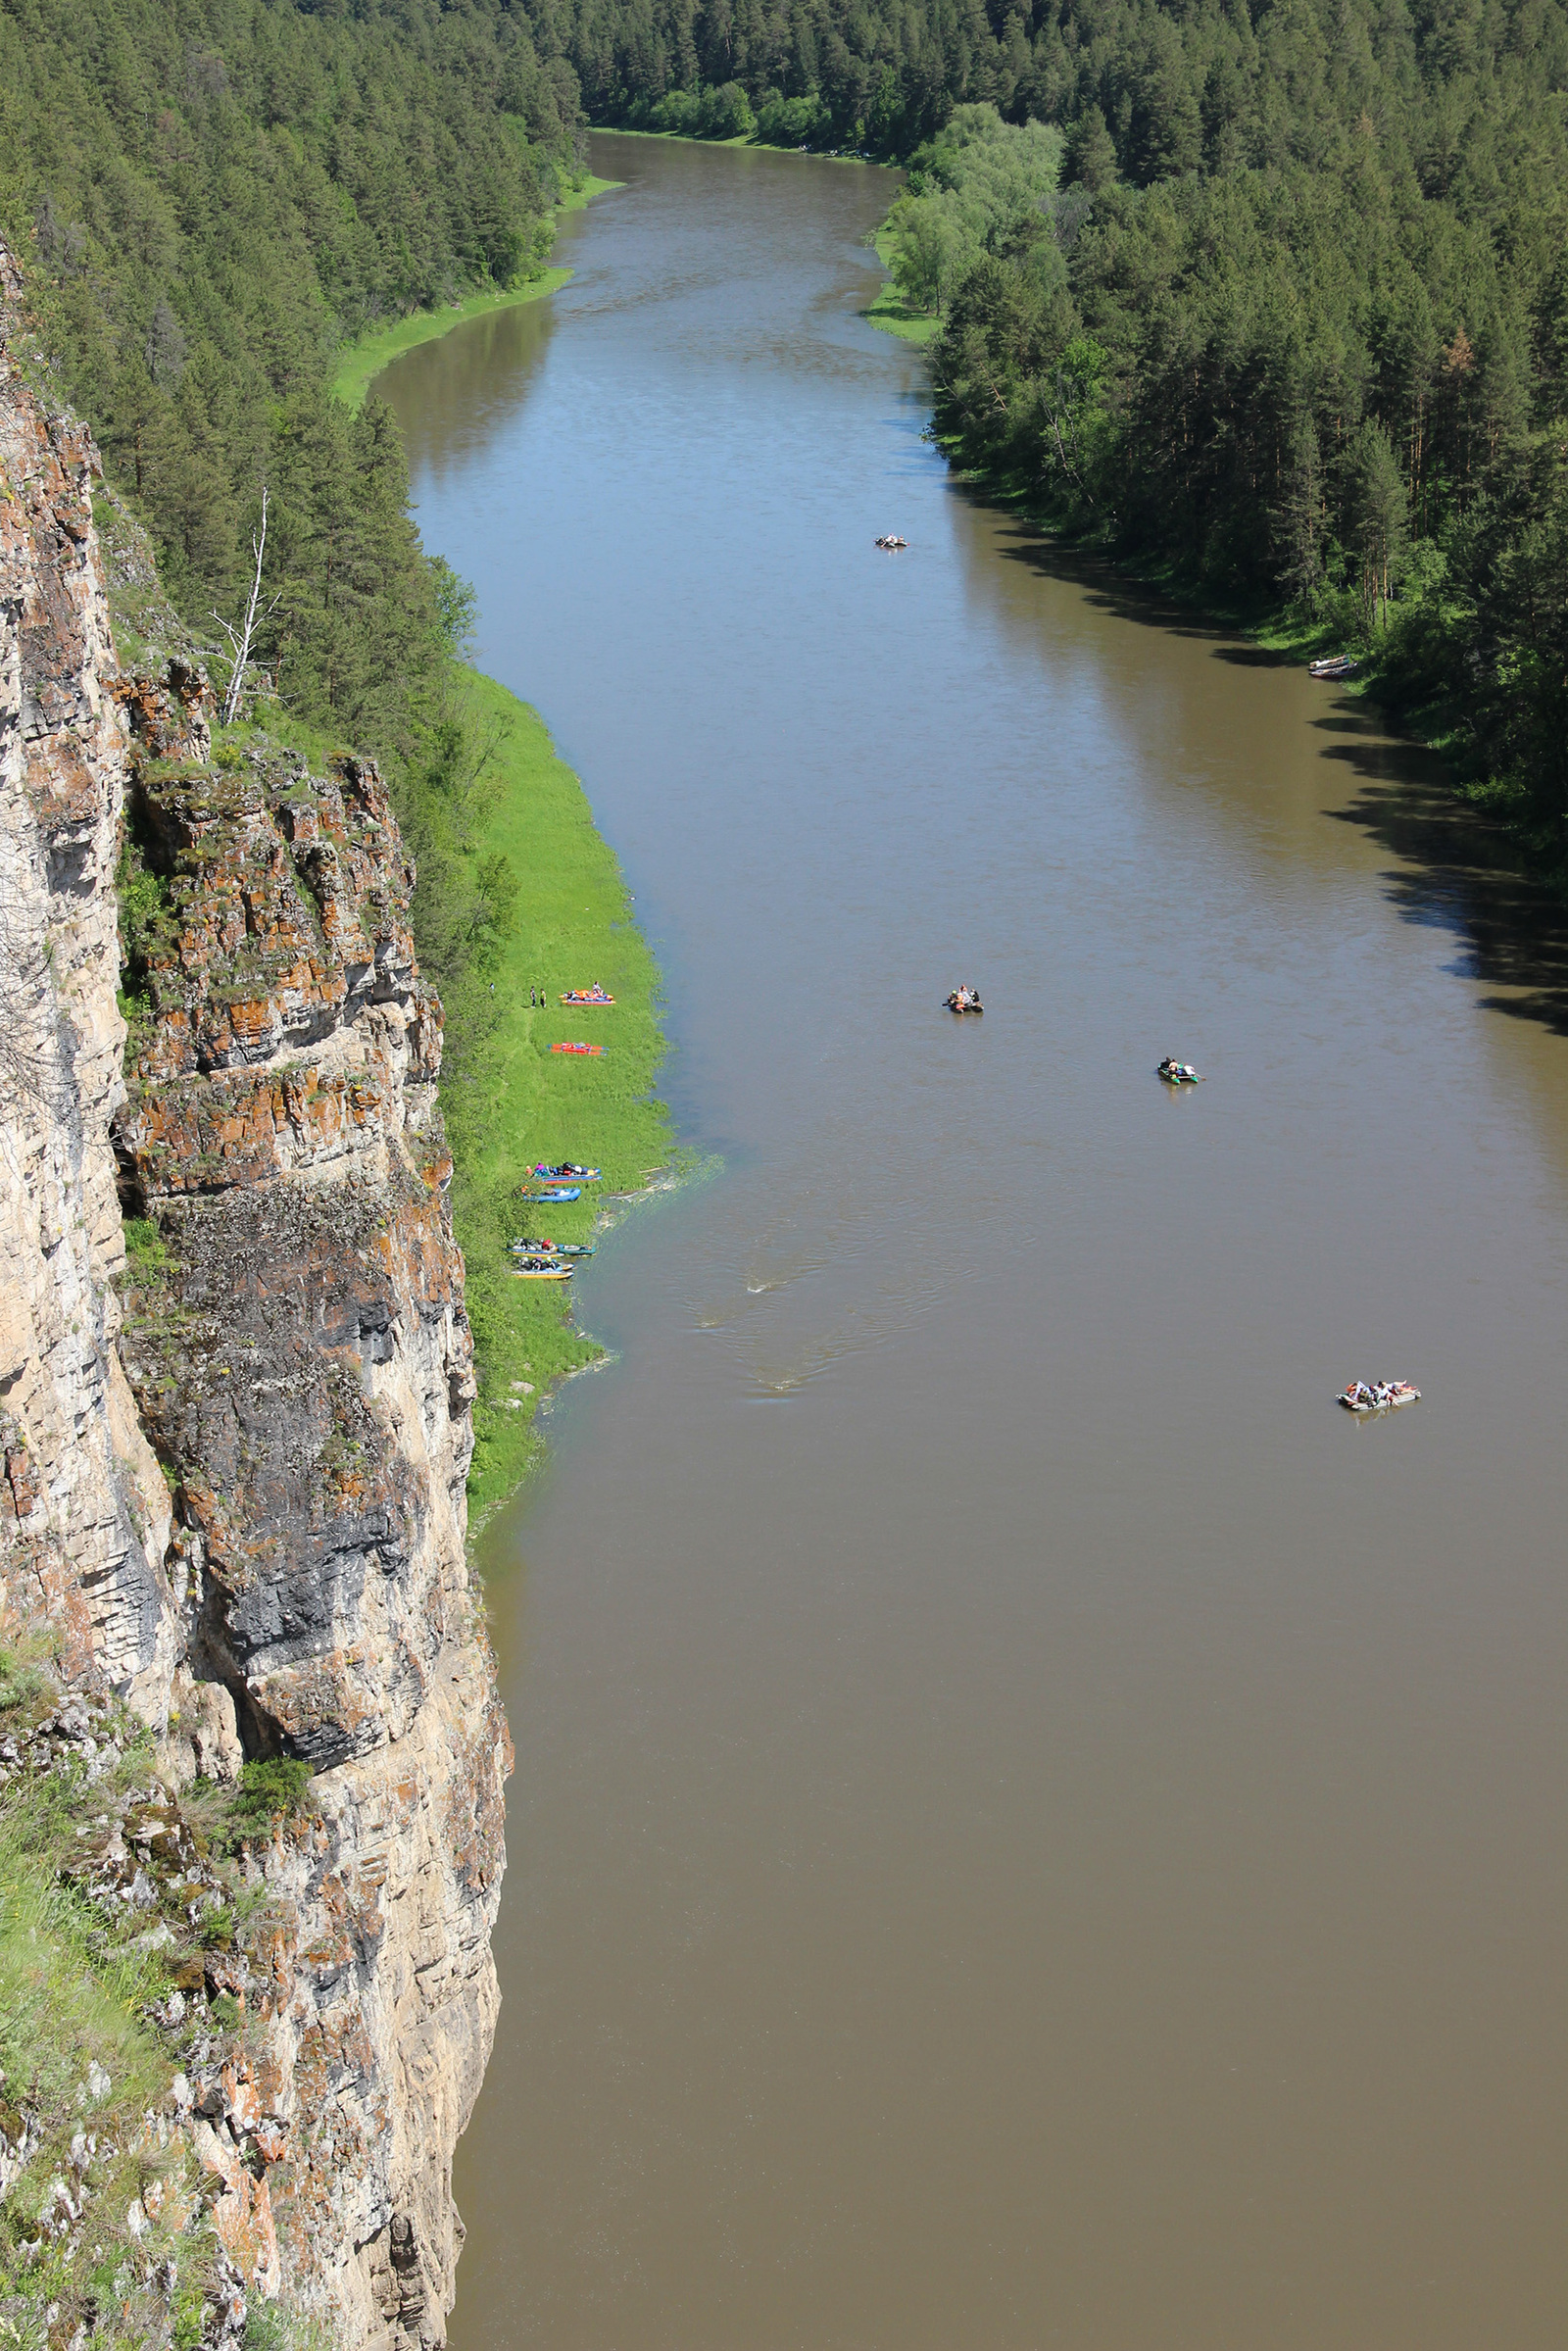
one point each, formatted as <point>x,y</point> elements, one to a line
<point>553,1248</point>
<point>567,1192</point>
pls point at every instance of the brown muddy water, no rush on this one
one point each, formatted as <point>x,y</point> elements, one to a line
<point>1031,1827</point>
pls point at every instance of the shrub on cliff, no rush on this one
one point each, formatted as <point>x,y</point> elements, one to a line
<point>269,1790</point>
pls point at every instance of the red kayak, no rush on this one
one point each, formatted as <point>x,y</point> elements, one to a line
<point>576,1048</point>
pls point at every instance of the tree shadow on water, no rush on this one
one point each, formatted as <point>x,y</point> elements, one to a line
<point>1457,872</point>
<point>1108,590</point>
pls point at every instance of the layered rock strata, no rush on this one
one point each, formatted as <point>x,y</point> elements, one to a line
<point>236,1464</point>
<point>86,1513</point>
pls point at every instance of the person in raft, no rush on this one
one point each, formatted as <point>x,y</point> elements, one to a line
<point>961,996</point>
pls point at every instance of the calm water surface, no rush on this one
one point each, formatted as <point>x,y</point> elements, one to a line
<point>1030,1827</point>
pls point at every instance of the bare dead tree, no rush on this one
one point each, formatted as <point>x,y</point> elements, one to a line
<point>239,639</point>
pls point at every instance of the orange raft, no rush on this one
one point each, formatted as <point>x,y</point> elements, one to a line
<point>576,1048</point>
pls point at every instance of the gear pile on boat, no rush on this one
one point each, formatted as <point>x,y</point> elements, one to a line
<point>1378,1396</point>
<point>587,995</point>
<point>561,1182</point>
<point>890,540</point>
<point>965,1000</point>
<point>1179,1073</point>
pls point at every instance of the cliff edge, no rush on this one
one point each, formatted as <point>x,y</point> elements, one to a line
<point>236,1459</point>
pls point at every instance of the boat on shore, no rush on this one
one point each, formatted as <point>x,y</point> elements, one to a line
<point>576,1048</point>
<point>566,1171</point>
<point>547,1269</point>
<point>560,1192</point>
<point>1378,1396</point>
<point>587,995</point>
<point>1334,665</point>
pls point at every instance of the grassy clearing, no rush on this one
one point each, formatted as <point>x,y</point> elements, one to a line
<point>510,1101</point>
<point>890,310</point>
<point>362,361</point>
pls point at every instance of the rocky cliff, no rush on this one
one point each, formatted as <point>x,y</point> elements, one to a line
<point>236,1462</point>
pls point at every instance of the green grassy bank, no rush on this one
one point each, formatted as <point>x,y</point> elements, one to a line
<point>890,310</point>
<point>742,138</point>
<point>510,1101</point>
<point>362,361</point>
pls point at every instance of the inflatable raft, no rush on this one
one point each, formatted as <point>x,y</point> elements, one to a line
<point>566,1172</point>
<point>1179,1073</point>
<point>544,1271</point>
<point>952,1004</point>
<point>576,1048</point>
<point>553,1248</point>
<point>1378,1396</point>
<point>587,995</point>
<point>562,1192</point>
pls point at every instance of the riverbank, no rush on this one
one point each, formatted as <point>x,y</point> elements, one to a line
<point>744,138</point>
<point>358,362</point>
<point>890,312</point>
<point>518,1102</point>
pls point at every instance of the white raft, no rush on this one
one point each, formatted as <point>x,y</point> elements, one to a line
<point>1378,1396</point>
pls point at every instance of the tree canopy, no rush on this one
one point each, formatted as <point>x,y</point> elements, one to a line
<point>208,196</point>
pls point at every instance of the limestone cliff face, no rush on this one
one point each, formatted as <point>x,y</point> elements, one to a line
<point>237,1467</point>
<point>86,1513</point>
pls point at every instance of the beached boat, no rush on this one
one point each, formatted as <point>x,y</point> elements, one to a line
<point>1378,1396</point>
<point>587,995</point>
<point>576,1048</point>
<point>559,1193</point>
<point>544,1271</point>
<point>1338,664</point>
<point>1179,1073</point>
<point>566,1171</point>
<point>553,1248</point>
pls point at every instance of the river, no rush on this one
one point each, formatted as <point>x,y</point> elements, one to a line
<point>1031,1827</point>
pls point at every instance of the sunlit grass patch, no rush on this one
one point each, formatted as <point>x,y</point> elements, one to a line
<point>890,310</point>
<point>511,1102</point>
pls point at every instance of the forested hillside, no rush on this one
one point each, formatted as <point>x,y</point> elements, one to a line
<point>206,199</point>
